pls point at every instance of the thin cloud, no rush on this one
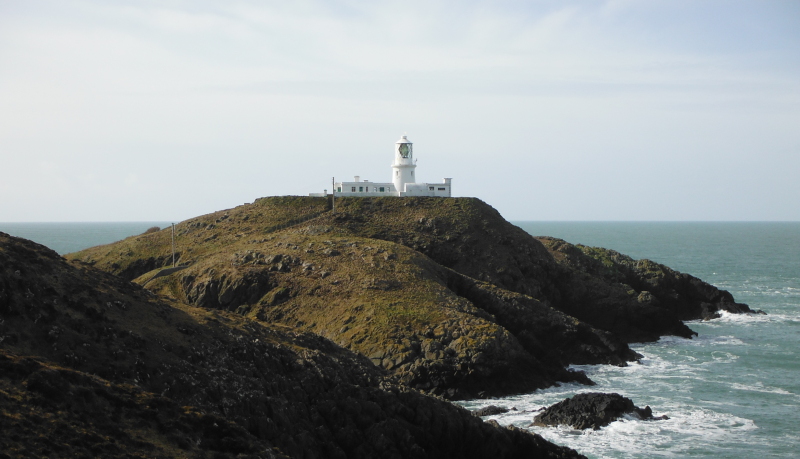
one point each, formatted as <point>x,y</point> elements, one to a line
<point>266,98</point>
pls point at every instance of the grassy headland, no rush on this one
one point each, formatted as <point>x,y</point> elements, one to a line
<point>443,293</point>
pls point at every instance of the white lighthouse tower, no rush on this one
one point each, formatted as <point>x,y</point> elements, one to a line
<point>404,165</point>
<point>404,182</point>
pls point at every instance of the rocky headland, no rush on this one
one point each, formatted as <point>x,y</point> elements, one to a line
<point>92,365</point>
<point>311,333</point>
<point>444,294</point>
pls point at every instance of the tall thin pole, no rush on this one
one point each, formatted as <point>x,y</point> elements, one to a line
<point>333,195</point>
<point>173,245</point>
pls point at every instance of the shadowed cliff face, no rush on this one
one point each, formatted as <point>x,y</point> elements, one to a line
<point>635,300</point>
<point>443,293</point>
<point>92,365</point>
<point>432,328</point>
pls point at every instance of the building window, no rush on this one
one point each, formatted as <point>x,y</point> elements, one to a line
<point>361,188</point>
<point>430,188</point>
<point>442,189</point>
<point>396,173</point>
<point>381,189</point>
<point>412,173</point>
<point>374,189</point>
<point>353,189</point>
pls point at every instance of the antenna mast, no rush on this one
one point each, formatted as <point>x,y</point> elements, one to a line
<point>333,195</point>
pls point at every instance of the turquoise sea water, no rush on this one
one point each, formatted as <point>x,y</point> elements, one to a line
<point>71,237</point>
<point>734,391</point>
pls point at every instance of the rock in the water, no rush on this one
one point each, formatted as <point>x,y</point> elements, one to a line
<point>490,410</point>
<point>592,410</point>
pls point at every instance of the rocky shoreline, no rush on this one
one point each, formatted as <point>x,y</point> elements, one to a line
<point>332,335</point>
<point>92,365</point>
<point>444,294</point>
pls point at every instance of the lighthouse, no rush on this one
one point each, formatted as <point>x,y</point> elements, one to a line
<point>404,181</point>
<point>404,165</point>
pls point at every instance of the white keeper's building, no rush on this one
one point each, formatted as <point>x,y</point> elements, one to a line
<point>403,182</point>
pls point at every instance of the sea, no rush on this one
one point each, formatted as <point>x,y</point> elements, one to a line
<point>71,237</point>
<point>731,392</point>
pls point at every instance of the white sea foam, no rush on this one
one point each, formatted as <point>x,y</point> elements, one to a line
<point>701,340</point>
<point>687,429</point>
<point>724,357</point>
<point>670,377</point>
<point>770,290</point>
<point>748,320</point>
<point>669,340</point>
<point>657,382</point>
<point>760,387</point>
<point>652,370</point>
<point>732,391</point>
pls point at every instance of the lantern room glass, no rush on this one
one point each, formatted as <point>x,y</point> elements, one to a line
<point>405,150</point>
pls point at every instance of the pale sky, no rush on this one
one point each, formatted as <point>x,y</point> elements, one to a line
<point>548,110</point>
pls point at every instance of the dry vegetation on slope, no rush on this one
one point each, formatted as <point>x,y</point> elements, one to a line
<point>443,293</point>
<point>94,366</point>
<point>290,330</point>
<point>394,305</point>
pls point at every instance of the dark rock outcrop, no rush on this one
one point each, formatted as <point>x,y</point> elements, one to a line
<point>463,339</point>
<point>591,411</point>
<point>94,366</point>
<point>490,410</point>
<point>473,239</point>
<point>637,300</point>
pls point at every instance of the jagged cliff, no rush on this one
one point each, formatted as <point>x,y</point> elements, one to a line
<point>92,365</point>
<point>444,294</point>
<point>289,330</point>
